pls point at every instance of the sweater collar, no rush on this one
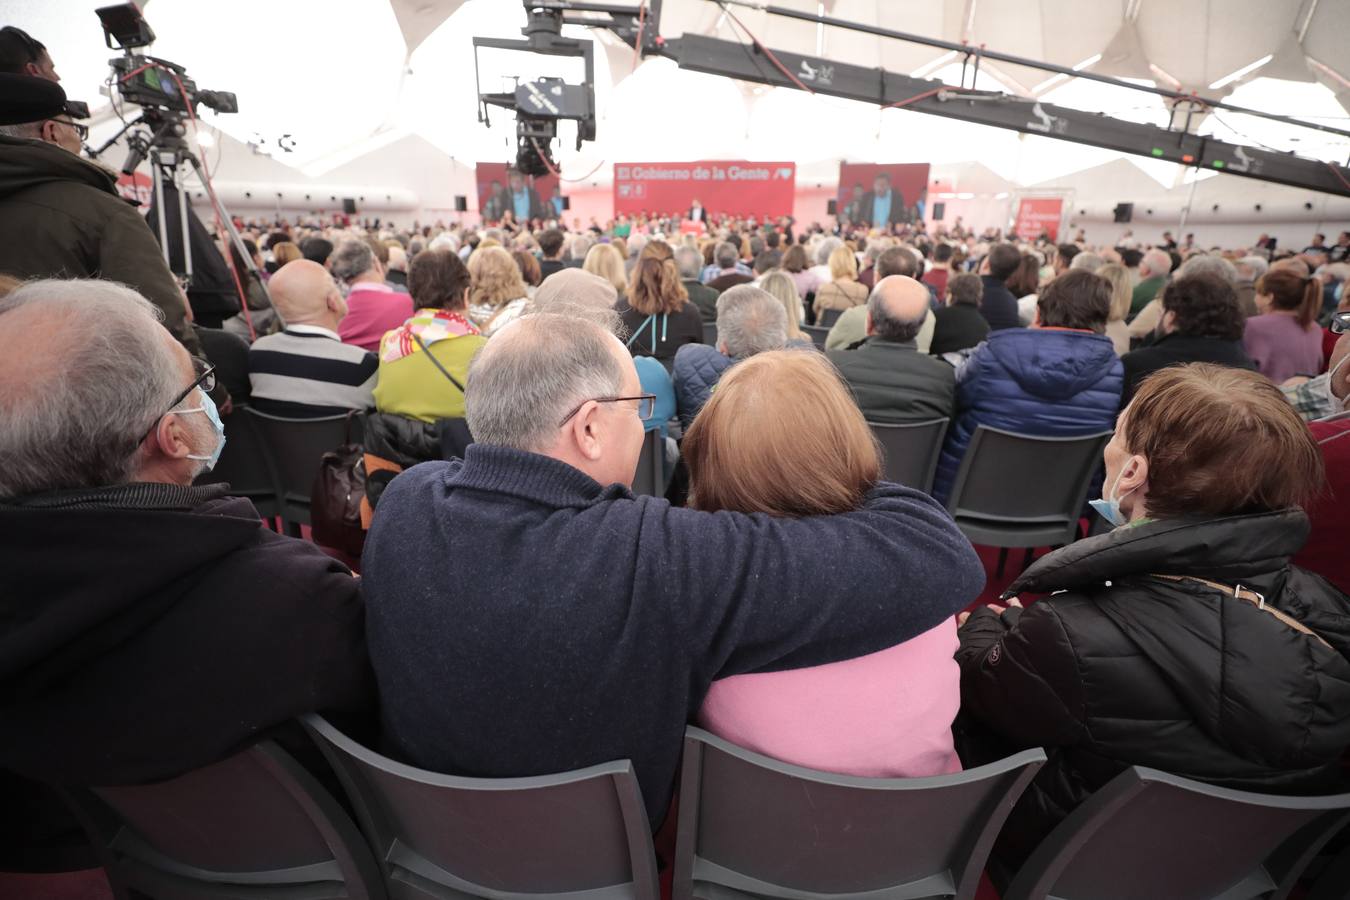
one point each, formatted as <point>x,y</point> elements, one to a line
<point>528,476</point>
<point>880,343</point>
<point>136,495</point>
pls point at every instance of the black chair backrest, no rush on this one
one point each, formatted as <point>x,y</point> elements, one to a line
<point>550,836</point>
<point>1021,478</point>
<point>817,335</point>
<point>296,447</point>
<point>255,824</point>
<point>752,826</point>
<point>828,317</point>
<point>911,451</point>
<point>245,465</point>
<point>651,471</point>
<point>1151,834</point>
<point>710,333</point>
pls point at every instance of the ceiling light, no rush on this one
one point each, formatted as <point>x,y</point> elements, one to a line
<point>1245,70</point>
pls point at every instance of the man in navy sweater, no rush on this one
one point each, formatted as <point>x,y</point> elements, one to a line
<point>528,615</point>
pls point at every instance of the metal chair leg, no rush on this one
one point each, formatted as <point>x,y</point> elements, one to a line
<point>1002,560</point>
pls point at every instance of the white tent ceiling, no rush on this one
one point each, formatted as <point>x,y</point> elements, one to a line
<point>349,79</point>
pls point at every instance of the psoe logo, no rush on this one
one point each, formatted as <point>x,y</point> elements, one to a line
<point>783,172</point>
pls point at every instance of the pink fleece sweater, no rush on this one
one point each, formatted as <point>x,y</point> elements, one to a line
<point>886,715</point>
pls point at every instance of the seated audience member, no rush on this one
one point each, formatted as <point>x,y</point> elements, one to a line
<point>690,263</point>
<point>1284,339</point>
<point>885,715</point>
<point>1201,322</point>
<point>317,249</point>
<point>498,293</point>
<point>842,291</point>
<point>997,303</point>
<point>1088,262</point>
<point>421,359</point>
<point>868,276</point>
<point>285,252</point>
<point>551,244</point>
<point>530,272</point>
<point>1061,377</point>
<point>779,284</point>
<point>796,264</point>
<point>1154,267</point>
<point>306,371</point>
<point>606,261</point>
<point>1144,325</point>
<point>850,329</point>
<point>959,325</point>
<point>396,274</point>
<point>1064,254</point>
<point>940,271</point>
<point>823,251</point>
<point>1122,289</point>
<point>749,321</point>
<point>1180,640</point>
<point>730,270</point>
<point>156,629</point>
<point>226,351</point>
<point>373,307</point>
<point>657,313</point>
<point>598,620</point>
<point>892,381</point>
<point>1249,268</point>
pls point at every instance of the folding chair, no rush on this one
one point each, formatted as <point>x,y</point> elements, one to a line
<point>911,451</point>
<point>296,447</point>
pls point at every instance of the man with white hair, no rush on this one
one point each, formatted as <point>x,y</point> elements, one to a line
<point>396,274</point>
<point>730,270</point>
<point>690,263</point>
<point>373,307</point>
<point>892,381</point>
<point>1089,262</point>
<point>528,615</point>
<point>750,320</point>
<point>153,626</point>
<point>1249,269</point>
<point>1153,271</point>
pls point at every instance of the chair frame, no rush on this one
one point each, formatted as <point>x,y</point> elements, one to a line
<point>817,334</point>
<point>402,865</point>
<point>655,461</point>
<point>961,885</point>
<point>1271,878</point>
<point>935,451</point>
<point>268,504</point>
<point>294,511</point>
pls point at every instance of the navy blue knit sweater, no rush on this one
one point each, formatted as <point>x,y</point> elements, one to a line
<point>524,620</point>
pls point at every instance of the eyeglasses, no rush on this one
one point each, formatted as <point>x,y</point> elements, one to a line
<point>1340,322</point>
<point>646,406</point>
<point>81,130</point>
<point>206,380</point>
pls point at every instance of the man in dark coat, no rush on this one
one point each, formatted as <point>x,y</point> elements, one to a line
<point>998,305</point>
<point>690,263</point>
<point>891,380</point>
<point>883,207</point>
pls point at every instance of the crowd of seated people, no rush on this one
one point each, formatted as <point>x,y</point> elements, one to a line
<point>520,611</point>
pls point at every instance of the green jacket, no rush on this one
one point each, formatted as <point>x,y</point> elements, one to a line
<point>61,217</point>
<point>1144,292</point>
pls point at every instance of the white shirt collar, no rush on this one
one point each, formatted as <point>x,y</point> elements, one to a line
<point>315,330</point>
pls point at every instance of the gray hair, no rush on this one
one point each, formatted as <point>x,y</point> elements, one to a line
<point>351,259</point>
<point>726,254</point>
<point>1210,265</point>
<point>637,242</point>
<point>1159,262</point>
<point>825,248</point>
<point>580,246</point>
<point>1088,261</point>
<point>888,326</point>
<point>80,423</point>
<point>750,320</point>
<point>1250,267</point>
<point>689,261</point>
<point>532,373</point>
<point>443,241</point>
<point>29,131</point>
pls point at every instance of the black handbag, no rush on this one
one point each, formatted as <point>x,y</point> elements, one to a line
<point>335,501</point>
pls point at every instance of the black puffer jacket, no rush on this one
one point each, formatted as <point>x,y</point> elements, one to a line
<point>1124,668</point>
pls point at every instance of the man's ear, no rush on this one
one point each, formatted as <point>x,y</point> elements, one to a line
<point>1133,475</point>
<point>169,438</point>
<point>584,431</point>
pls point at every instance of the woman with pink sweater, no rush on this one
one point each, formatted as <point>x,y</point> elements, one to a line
<point>781,435</point>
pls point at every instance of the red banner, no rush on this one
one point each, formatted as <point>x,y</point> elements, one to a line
<point>501,189</point>
<point>1037,216</point>
<point>136,186</point>
<point>733,187</point>
<point>862,185</point>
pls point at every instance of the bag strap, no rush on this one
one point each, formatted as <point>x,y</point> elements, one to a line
<point>437,363</point>
<point>1250,596</point>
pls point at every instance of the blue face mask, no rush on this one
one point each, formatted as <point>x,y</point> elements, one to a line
<point>1109,507</point>
<point>209,407</point>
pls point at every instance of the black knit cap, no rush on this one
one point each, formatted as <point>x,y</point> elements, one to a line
<point>25,98</point>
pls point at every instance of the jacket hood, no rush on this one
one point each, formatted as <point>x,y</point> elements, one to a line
<point>1053,365</point>
<point>26,164</point>
<point>1254,684</point>
<point>79,582</point>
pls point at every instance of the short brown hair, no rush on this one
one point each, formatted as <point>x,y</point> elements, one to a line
<point>529,267</point>
<point>1076,299</point>
<point>966,288</point>
<point>772,417</point>
<point>1219,442</point>
<point>794,260</point>
<point>437,279</point>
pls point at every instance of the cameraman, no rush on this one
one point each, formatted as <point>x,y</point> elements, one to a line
<point>61,215</point>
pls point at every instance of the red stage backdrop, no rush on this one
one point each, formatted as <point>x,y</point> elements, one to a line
<point>1037,215</point>
<point>494,187</point>
<point>857,184</point>
<point>734,187</point>
<point>138,187</point>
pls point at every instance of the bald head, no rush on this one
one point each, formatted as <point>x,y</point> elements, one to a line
<point>576,287</point>
<point>305,294</point>
<point>896,309</point>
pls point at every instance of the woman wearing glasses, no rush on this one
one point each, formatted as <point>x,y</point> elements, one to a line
<point>773,417</point>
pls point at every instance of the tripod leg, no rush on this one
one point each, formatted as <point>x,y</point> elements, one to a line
<point>228,224</point>
<point>158,177</point>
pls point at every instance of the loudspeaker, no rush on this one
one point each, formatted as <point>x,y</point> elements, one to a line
<point>939,210</point>
<point>349,205</point>
<point>461,203</point>
<point>1123,212</point>
<point>567,203</point>
<point>831,206</point>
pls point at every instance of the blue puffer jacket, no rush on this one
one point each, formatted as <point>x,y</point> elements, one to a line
<point>698,368</point>
<point>1041,381</point>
